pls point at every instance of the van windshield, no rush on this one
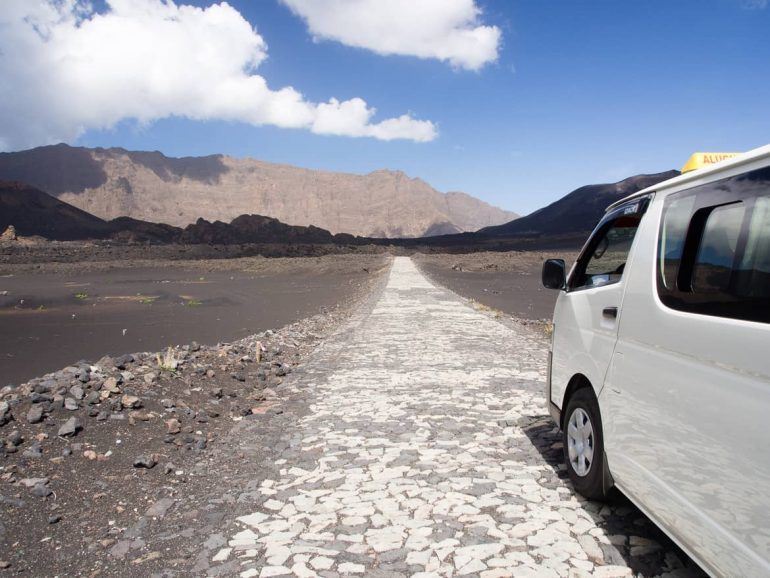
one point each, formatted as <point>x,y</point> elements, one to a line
<point>607,253</point>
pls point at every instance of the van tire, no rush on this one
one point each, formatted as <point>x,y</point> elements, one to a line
<point>591,484</point>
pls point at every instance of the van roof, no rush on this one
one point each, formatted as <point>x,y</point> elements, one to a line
<point>707,171</point>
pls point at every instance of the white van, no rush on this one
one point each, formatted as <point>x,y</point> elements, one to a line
<point>659,372</point>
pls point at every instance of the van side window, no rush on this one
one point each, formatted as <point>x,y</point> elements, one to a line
<point>606,253</point>
<point>753,276</point>
<point>675,222</point>
<point>714,249</point>
<point>716,253</point>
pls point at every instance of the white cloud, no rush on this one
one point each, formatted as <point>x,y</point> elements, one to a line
<point>66,68</point>
<point>352,118</point>
<point>448,30</point>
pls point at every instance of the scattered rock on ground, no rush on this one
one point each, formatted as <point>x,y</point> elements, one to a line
<point>9,234</point>
<point>147,462</point>
<point>70,428</point>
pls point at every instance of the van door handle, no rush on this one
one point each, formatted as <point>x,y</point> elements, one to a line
<point>610,312</point>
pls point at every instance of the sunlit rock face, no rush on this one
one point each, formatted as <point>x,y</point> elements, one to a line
<point>112,183</point>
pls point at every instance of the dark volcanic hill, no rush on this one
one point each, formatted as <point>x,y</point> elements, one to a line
<point>114,182</point>
<point>33,212</point>
<point>578,212</point>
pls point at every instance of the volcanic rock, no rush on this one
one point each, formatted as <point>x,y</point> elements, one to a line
<point>131,401</point>
<point>146,462</point>
<point>70,428</point>
<point>35,414</point>
<point>9,234</point>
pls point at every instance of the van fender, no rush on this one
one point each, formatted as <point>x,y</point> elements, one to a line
<point>583,364</point>
<point>564,369</point>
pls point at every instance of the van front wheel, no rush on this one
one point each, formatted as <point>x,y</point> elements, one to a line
<point>584,444</point>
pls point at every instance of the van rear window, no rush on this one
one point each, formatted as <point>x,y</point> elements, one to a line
<point>714,249</point>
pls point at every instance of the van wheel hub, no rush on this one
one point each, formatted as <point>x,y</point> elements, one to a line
<point>580,442</point>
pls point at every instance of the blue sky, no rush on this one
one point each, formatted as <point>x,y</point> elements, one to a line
<point>580,92</point>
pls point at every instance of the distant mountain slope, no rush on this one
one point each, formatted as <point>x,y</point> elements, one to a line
<point>577,212</point>
<point>468,213</point>
<point>111,183</point>
<point>35,213</point>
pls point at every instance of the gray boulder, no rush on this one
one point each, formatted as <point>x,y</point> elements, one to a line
<point>71,427</point>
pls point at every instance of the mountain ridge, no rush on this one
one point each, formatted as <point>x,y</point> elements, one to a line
<point>577,211</point>
<point>148,185</point>
<point>566,221</point>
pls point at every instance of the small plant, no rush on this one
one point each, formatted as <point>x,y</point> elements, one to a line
<point>147,300</point>
<point>167,361</point>
<point>41,308</point>
<point>81,296</point>
<point>193,303</point>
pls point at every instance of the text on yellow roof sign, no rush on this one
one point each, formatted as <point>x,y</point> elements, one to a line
<point>700,160</point>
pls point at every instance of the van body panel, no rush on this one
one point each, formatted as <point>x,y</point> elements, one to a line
<point>687,398</point>
<point>684,396</point>
<point>584,341</point>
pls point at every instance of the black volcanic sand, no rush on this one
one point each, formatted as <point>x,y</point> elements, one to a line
<point>56,314</point>
<point>505,281</point>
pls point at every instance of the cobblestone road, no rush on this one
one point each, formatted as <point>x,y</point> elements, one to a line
<point>426,451</point>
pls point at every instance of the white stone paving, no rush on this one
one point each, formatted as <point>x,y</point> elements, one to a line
<point>423,454</point>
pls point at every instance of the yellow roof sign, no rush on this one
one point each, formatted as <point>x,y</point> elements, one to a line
<point>700,160</point>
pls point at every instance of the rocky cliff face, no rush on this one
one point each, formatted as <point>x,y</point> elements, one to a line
<point>111,183</point>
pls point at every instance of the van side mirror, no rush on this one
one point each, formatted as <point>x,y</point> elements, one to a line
<point>554,274</point>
